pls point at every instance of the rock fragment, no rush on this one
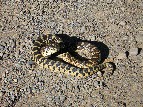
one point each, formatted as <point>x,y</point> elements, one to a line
<point>133,51</point>
<point>139,38</point>
<point>122,23</point>
<point>141,64</point>
<point>0,93</point>
<point>15,80</point>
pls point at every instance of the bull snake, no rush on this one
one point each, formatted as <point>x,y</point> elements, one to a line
<point>47,45</point>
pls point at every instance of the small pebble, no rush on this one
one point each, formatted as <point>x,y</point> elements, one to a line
<point>1,54</point>
<point>123,23</point>
<point>0,94</point>
<point>133,51</point>
<point>140,45</point>
<point>17,65</point>
<point>99,73</point>
<point>57,99</point>
<point>96,84</point>
<point>141,64</point>
<point>109,1</point>
<point>15,80</point>
<point>30,71</point>
<point>121,56</point>
<point>33,90</point>
<point>12,97</point>
<point>82,29</point>
<point>49,98</point>
<point>62,98</point>
<point>1,47</point>
<point>5,56</point>
<point>93,93</point>
<point>139,38</point>
<point>30,62</point>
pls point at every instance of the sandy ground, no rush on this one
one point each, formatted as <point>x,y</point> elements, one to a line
<point>116,23</point>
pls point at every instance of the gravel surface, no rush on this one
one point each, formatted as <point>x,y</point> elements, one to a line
<point>118,24</point>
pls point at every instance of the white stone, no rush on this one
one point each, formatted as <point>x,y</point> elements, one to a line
<point>133,51</point>
<point>1,54</point>
<point>17,0</point>
<point>140,45</point>
<point>62,98</point>
<point>33,90</point>
<point>82,29</point>
<point>123,23</point>
<point>96,84</point>
<point>30,71</point>
<point>109,1</point>
<point>0,94</point>
<point>15,80</point>
<point>139,38</point>
<point>99,73</point>
<point>141,64</point>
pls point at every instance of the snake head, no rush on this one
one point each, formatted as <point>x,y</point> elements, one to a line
<point>47,51</point>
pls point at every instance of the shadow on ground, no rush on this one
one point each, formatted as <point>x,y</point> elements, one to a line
<point>70,45</point>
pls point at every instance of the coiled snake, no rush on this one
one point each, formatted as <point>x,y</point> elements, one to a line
<point>47,45</point>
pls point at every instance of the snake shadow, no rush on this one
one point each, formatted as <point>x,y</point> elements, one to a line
<point>71,44</point>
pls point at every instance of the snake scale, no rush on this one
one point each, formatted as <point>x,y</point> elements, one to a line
<point>49,44</point>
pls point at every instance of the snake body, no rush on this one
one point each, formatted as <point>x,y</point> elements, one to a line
<point>46,45</point>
